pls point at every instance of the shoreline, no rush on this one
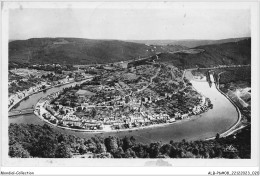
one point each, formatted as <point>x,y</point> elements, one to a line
<point>116,131</point>
<point>232,129</point>
<point>12,106</point>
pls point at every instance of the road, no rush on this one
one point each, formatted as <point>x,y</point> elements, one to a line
<point>20,112</point>
<point>151,80</point>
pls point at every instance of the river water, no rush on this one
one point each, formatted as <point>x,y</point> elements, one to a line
<point>216,120</point>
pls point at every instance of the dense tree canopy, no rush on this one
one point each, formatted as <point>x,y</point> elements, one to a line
<point>43,142</point>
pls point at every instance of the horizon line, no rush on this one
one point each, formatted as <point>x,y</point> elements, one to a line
<point>128,39</point>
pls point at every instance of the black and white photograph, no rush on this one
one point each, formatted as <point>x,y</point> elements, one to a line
<point>122,83</point>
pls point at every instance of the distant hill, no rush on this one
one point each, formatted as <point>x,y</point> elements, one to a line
<point>79,51</point>
<point>188,43</point>
<point>210,55</point>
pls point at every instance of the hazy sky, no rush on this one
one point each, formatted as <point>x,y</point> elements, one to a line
<point>129,23</point>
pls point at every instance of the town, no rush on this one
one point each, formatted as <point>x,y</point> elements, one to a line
<point>120,98</point>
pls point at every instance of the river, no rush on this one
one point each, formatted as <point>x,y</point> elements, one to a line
<point>216,120</point>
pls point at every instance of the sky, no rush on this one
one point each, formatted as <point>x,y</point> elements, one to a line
<point>129,23</point>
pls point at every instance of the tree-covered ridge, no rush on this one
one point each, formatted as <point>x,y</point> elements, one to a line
<point>79,51</point>
<point>43,142</point>
<point>233,53</point>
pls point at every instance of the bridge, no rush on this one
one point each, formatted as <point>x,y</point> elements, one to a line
<point>20,112</point>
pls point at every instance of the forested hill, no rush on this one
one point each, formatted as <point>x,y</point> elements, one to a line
<point>211,55</point>
<point>79,51</point>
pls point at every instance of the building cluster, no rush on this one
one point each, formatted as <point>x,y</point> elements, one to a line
<point>117,112</point>
<point>18,96</point>
<point>113,102</point>
<point>41,83</point>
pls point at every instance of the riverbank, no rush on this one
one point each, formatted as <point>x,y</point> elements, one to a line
<point>119,130</point>
<point>40,106</point>
<point>42,90</point>
<point>232,129</point>
<point>11,107</point>
<point>102,131</point>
